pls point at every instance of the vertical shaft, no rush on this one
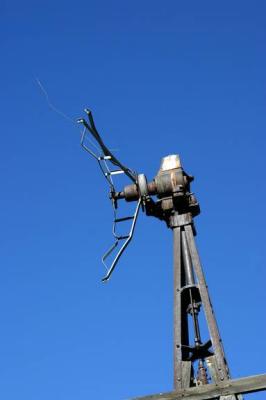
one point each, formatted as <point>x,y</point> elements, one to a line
<point>177,307</point>
<point>188,269</point>
<point>190,280</point>
<point>182,366</point>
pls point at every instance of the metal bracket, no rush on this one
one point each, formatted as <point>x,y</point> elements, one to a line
<point>177,220</point>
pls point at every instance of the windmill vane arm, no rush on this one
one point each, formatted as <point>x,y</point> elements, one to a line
<point>127,238</point>
<point>107,161</point>
<point>90,126</point>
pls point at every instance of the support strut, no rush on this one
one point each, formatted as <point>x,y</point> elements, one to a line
<point>190,295</point>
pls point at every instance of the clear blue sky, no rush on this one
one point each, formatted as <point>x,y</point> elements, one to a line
<point>183,77</point>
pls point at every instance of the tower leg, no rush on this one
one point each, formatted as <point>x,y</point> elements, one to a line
<point>217,364</point>
<point>182,368</point>
<point>223,370</point>
<point>190,292</point>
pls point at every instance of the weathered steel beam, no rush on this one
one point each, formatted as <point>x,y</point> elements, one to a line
<point>229,387</point>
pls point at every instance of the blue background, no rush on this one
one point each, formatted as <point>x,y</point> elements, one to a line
<point>162,78</point>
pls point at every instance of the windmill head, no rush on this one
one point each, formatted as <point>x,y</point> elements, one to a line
<point>171,188</point>
<point>168,193</point>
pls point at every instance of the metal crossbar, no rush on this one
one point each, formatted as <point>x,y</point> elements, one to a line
<point>249,384</point>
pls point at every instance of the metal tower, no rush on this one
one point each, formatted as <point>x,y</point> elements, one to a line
<point>200,369</point>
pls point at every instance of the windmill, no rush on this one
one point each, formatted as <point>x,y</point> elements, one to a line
<point>200,368</point>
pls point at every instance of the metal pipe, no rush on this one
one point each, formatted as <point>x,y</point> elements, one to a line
<point>189,274</point>
<point>177,307</point>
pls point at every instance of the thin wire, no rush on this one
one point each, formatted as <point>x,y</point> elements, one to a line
<point>50,103</point>
<point>61,113</point>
